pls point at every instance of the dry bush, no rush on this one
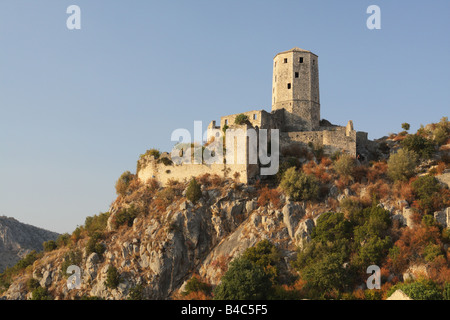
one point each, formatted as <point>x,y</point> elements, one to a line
<point>134,185</point>
<point>204,179</point>
<point>152,185</point>
<point>333,203</point>
<point>318,170</point>
<point>342,182</point>
<point>217,181</point>
<point>164,198</point>
<point>403,190</point>
<point>267,195</point>
<point>360,173</point>
<point>380,189</point>
<point>221,264</point>
<point>377,171</point>
<point>440,167</point>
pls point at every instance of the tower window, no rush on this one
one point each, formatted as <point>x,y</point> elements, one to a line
<point>289,86</point>
<point>226,122</point>
<point>296,74</point>
<point>314,61</point>
<point>300,60</point>
<point>285,60</point>
<point>255,117</point>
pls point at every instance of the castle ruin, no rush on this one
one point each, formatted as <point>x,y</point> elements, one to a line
<point>295,114</point>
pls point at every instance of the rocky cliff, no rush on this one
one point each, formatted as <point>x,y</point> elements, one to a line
<point>17,239</point>
<point>153,239</point>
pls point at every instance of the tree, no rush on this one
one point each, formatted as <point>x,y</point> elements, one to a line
<point>124,182</point>
<point>331,226</point>
<point>430,194</point>
<point>345,165</point>
<point>193,191</point>
<point>402,164</point>
<point>420,145</point>
<point>423,289</point>
<point>299,186</point>
<point>244,280</point>
<point>241,119</point>
<point>112,278</point>
<point>405,126</point>
<point>49,245</point>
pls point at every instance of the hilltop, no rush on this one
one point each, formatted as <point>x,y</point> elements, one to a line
<point>310,231</point>
<point>18,239</point>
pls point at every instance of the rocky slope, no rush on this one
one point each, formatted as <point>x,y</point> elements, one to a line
<point>17,239</point>
<point>156,239</point>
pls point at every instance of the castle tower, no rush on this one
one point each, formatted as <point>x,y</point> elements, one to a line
<point>296,89</point>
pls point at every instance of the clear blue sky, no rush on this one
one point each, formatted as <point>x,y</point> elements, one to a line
<point>78,107</point>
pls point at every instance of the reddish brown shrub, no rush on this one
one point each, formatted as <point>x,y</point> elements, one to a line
<point>267,195</point>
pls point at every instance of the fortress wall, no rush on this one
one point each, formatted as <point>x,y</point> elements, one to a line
<point>164,173</point>
<point>337,140</point>
<point>249,114</point>
<point>300,138</point>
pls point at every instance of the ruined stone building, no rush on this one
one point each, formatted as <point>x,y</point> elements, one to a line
<point>295,114</point>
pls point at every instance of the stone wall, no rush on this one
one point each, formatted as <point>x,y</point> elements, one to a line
<point>164,173</point>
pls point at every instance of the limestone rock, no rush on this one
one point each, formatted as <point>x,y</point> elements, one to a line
<point>399,295</point>
<point>303,234</point>
<point>291,216</point>
<point>443,217</point>
<point>46,279</point>
<point>408,214</point>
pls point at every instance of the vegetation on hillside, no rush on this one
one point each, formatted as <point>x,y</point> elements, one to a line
<point>362,225</point>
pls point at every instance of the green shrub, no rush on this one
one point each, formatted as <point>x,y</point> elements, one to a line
<point>124,182</point>
<point>96,223</point>
<point>331,226</point>
<point>166,161</point>
<point>427,189</point>
<point>420,145</point>
<point>405,126</point>
<point>240,119</point>
<point>32,284</point>
<point>244,280</point>
<point>345,165</point>
<point>286,164</point>
<point>126,216</point>
<point>300,186</point>
<point>41,293</point>
<point>440,135</point>
<point>49,245</point>
<point>446,292</point>
<point>193,191</point>
<point>401,165</point>
<point>94,244</point>
<point>419,290</point>
<point>152,152</point>
<point>196,285</point>
<point>112,278</point>
<point>322,266</point>
<point>28,260</point>
<point>266,255</point>
<point>73,257</point>
<point>63,240</point>
<point>136,293</point>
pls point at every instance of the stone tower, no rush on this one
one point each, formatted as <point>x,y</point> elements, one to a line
<point>296,89</point>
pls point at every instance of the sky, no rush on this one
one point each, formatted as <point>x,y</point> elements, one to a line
<point>78,107</point>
